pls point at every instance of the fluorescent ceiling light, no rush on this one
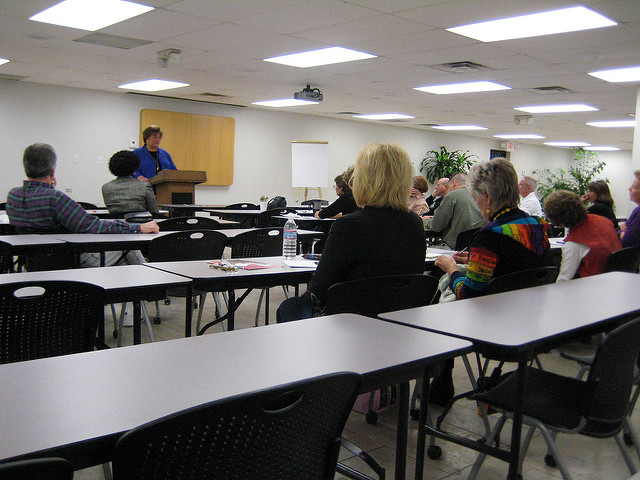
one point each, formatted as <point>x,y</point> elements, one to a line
<point>630,74</point>
<point>462,88</point>
<point>323,56</point>
<point>567,144</point>
<point>459,127</point>
<point>517,136</point>
<point>557,108</point>
<point>534,25</point>
<point>3,61</point>
<point>602,148</point>
<point>285,102</point>
<point>153,85</point>
<point>90,14</point>
<point>384,116</point>
<point>614,124</point>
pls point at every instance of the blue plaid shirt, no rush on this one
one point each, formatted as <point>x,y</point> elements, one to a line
<point>40,207</point>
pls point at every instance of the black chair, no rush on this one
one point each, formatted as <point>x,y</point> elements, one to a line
<point>625,260</point>
<point>41,319</point>
<point>463,240</point>
<point>267,218</point>
<point>87,205</point>
<point>290,432</point>
<point>188,245</point>
<point>316,203</point>
<point>242,206</point>
<point>533,277</point>
<point>188,223</point>
<point>596,407</point>
<point>6,257</point>
<point>37,469</point>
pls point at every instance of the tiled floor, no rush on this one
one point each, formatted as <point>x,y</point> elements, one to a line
<point>588,459</point>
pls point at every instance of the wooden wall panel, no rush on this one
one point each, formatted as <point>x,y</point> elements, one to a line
<point>196,142</point>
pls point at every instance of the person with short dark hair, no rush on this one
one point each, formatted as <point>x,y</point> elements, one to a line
<point>591,238</point>
<point>37,207</point>
<point>417,200</point>
<point>599,195</point>
<point>152,157</point>
<point>125,194</point>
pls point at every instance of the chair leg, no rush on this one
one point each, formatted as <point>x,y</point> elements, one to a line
<point>157,319</point>
<point>259,305</point>
<point>551,445</point>
<point>481,456</point>
<point>120,322</point>
<point>106,469</point>
<point>629,429</point>
<point>203,298</point>
<point>625,454</point>
<point>145,317</point>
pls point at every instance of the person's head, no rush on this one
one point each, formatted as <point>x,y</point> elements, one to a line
<point>382,177</point>
<point>151,136</point>
<point>123,163</point>
<point>564,209</point>
<point>634,189</point>
<point>39,160</point>
<point>442,187</point>
<point>342,182</point>
<point>598,191</point>
<point>494,186</point>
<point>527,185</point>
<point>420,185</point>
<point>457,181</point>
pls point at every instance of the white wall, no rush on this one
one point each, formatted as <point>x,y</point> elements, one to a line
<point>93,125</point>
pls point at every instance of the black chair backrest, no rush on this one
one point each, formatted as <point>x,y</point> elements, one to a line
<point>286,433</point>
<point>612,373</point>
<point>375,295</point>
<point>187,245</point>
<point>534,277</point>
<point>6,257</point>
<point>3,205</point>
<point>315,203</point>
<point>188,223</point>
<point>625,260</point>
<point>267,218</point>
<point>242,206</point>
<point>37,469</point>
<point>48,318</point>
<point>88,206</point>
<point>260,242</point>
<point>463,240</point>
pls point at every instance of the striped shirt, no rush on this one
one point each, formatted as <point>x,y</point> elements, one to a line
<point>38,206</point>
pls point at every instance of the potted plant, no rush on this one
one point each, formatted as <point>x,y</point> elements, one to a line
<point>444,163</point>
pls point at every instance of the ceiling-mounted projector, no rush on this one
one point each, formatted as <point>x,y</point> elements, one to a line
<point>310,94</point>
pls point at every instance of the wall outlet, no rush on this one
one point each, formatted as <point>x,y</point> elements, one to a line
<point>100,160</point>
<point>76,158</point>
<point>67,189</point>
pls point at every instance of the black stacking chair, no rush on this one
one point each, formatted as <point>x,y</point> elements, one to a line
<point>533,277</point>
<point>242,206</point>
<point>463,240</point>
<point>41,319</point>
<point>188,223</point>
<point>290,432</point>
<point>184,246</point>
<point>267,218</point>
<point>596,407</point>
<point>6,257</point>
<point>625,260</point>
<point>316,203</point>
<point>37,469</point>
<point>88,206</point>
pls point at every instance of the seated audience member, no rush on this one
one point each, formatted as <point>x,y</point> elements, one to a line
<point>529,203</point>
<point>345,203</point>
<point>630,230</point>
<point>417,201</point>
<point>599,196</point>
<point>440,190</point>
<point>37,207</point>
<point>457,212</point>
<point>125,194</point>
<point>512,241</point>
<point>381,238</point>
<point>591,238</point>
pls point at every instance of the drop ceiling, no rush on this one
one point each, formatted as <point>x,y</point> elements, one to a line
<point>223,44</point>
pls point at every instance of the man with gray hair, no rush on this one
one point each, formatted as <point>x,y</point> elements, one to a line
<point>529,202</point>
<point>37,207</point>
<point>457,213</point>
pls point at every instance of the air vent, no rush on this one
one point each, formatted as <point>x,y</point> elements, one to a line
<point>549,90</point>
<point>15,78</point>
<point>348,113</point>
<point>112,41</point>
<point>186,99</point>
<point>461,67</point>
<point>430,124</point>
<point>211,94</point>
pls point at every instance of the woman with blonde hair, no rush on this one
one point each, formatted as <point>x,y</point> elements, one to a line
<point>381,238</point>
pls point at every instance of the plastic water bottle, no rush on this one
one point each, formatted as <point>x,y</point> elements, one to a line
<point>289,239</point>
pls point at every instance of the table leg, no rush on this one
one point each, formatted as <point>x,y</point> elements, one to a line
<point>188,314</point>
<point>422,422</point>
<point>231,314</point>
<point>137,321</point>
<point>516,429</point>
<point>401,435</point>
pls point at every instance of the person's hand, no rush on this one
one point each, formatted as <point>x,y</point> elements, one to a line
<point>142,178</point>
<point>317,214</point>
<point>584,197</point>
<point>461,257</point>
<point>623,227</point>
<point>149,227</point>
<point>446,263</point>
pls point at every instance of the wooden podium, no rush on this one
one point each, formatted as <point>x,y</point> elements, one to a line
<point>177,186</point>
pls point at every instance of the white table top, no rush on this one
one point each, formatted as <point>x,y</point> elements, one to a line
<point>518,321</point>
<point>74,398</point>
<point>30,239</point>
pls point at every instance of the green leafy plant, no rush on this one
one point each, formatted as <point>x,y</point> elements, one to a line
<point>443,163</point>
<point>586,165</point>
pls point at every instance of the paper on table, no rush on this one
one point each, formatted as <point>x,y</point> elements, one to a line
<point>300,263</point>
